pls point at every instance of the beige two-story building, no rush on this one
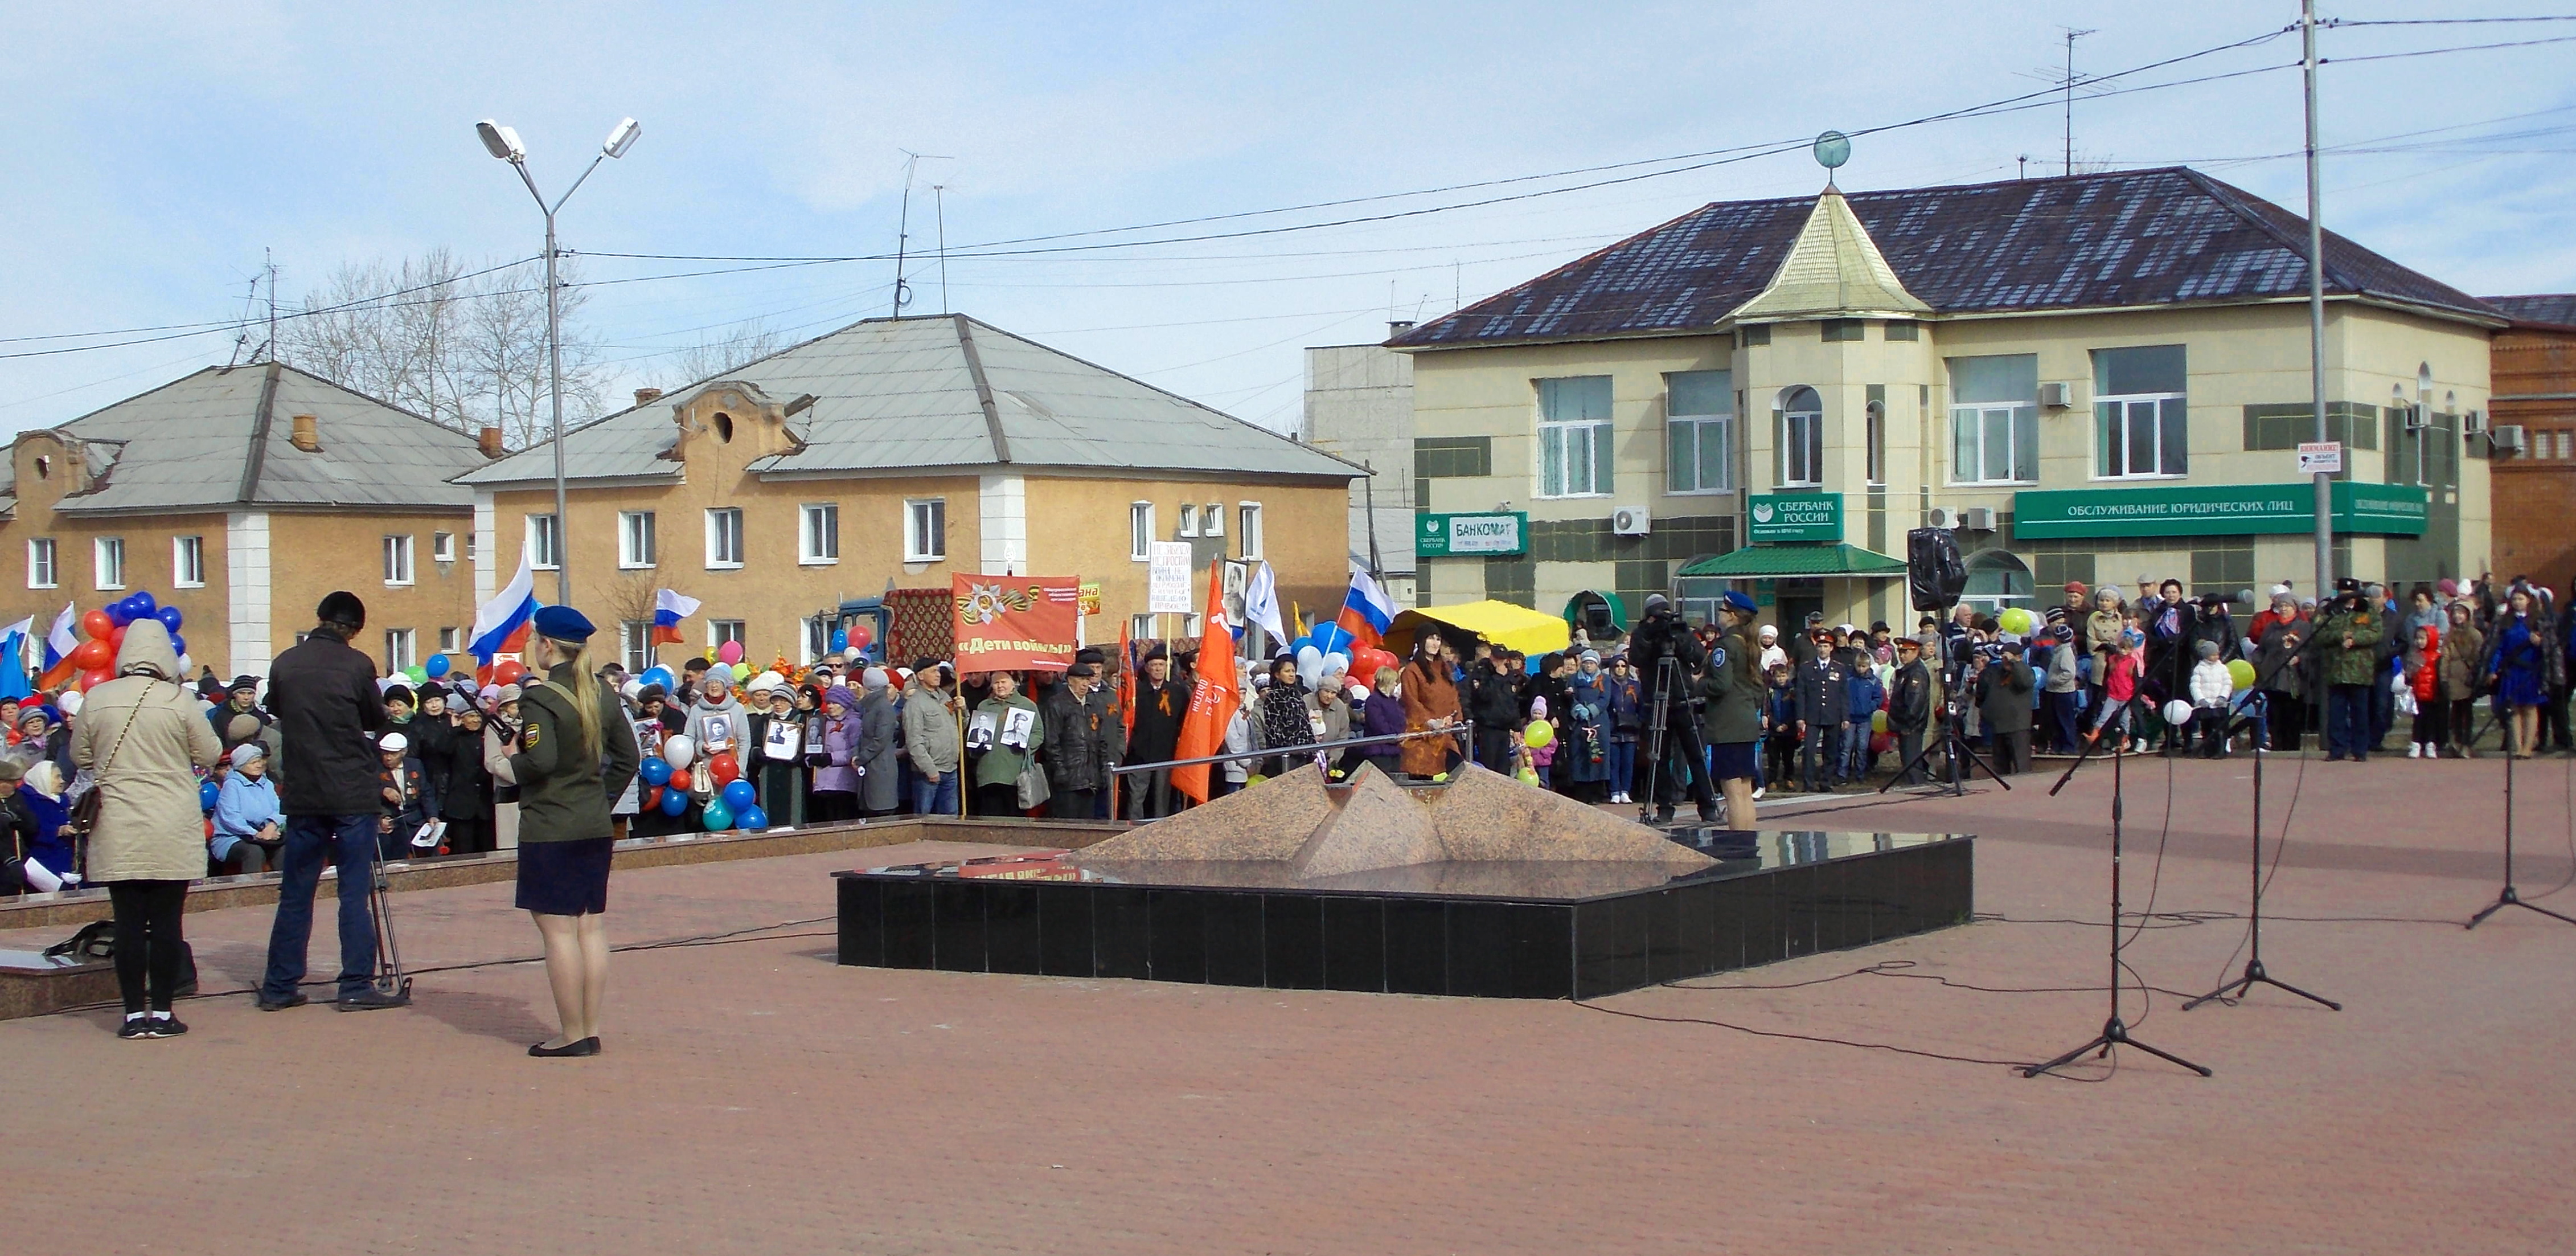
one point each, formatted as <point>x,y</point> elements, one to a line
<point>896,453</point>
<point>2094,378</point>
<point>242,495</point>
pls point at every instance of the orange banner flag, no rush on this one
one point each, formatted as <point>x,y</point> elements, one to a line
<point>1213,699</point>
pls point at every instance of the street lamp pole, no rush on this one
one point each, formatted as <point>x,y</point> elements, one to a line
<point>2324,488</point>
<point>503,143</point>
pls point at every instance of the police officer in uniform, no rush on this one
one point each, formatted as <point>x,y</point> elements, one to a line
<point>1659,636</point>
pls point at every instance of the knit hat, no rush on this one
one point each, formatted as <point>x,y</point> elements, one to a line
<point>2075,586</point>
<point>874,678</point>
<point>401,694</point>
<point>841,694</point>
<point>719,674</point>
<point>1769,632</point>
<point>508,694</point>
<point>2208,649</point>
<point>248,752</point>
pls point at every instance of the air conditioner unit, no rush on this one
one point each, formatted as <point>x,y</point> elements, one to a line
<point>2475,424</point>
<point>1977,519</point>
<point>1940,517</point>
<point>1630,521</point>
<point>2414,418</point>
<point>2056,395</point>
<point>2506,437</point>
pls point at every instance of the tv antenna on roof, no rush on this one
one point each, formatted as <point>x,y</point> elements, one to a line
<point>903,225</point>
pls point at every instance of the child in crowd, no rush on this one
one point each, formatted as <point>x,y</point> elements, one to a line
<point>1780,741</point>
<point>2210,686</point>
<point>2119,689</point>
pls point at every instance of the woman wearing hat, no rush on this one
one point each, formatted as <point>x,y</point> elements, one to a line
<point>572,757</point>
<point>250,827</point>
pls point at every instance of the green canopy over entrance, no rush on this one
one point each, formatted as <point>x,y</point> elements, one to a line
<point>1794,561</point>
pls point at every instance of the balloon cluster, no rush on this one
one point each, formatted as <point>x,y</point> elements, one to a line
<point>1359,665</point>
<point>730,799</point>
<point>93,661</point>
<point>437,668</point>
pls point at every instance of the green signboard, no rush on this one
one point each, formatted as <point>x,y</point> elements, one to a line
<point>1794,517</point>
<point>2217,510</point>
<point>1470,536</point>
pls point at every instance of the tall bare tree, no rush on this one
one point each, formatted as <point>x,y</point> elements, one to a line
<point>433,336</point>
<point>713,355</point>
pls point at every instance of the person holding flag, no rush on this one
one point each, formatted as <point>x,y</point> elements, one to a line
<point>1213,699</point>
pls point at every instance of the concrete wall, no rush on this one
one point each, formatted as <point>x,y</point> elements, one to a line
<point>1359,406</point>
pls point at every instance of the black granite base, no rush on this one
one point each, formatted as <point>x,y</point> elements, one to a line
<point>1797,894</point>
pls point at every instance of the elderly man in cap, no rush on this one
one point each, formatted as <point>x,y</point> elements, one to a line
<point>323,694</point>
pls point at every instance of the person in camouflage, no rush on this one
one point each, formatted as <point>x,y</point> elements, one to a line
<point>2347,645</point>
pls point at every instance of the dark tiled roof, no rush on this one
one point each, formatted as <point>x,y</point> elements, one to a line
<point>2557,309</point>
<point>2135,238</point>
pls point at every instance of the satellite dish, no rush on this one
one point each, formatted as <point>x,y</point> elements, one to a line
<point>1833,148</point>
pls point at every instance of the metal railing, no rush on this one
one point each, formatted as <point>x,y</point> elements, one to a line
<point>1459,731</point>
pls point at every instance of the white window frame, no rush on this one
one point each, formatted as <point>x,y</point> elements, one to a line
<point>107,563</point>
<point>187,562</point>
<point>1212,519</point>
<point>1140,531</point>
<point>724,524</point>
<point>1142,627</point>
<point>1874,470</point>
<point>42,556</point>
<point>544,544</point>
<point>2018,420</point>
<point>402,649</point>
<point>639,542</point>
<point>442,547</point>
<point>2126,407</point>
<point>398,564</point>
<point>1189,519</point>
<point>1803,431</point>
<point>1558,442</point>
<point>818,546</point>
<point>720,631</point>
<point>635,645</point>
<point>1247,530</point>
<point>447,641</point>
<point>919,545</point>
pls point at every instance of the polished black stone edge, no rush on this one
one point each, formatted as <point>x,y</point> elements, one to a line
<point>1285,939</point>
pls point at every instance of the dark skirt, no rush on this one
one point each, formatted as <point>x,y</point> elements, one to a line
<point>565,878</point>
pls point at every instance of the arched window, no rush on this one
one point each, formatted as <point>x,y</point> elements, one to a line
<point>1801,435</point>
<point>1998,578</point>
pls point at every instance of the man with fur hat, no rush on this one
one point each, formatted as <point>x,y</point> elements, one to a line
<point>1161,701</point>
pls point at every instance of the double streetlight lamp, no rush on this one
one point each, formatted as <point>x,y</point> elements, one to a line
<point>502,142</point>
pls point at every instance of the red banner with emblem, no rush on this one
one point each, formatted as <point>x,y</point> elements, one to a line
<point>1014,623</point>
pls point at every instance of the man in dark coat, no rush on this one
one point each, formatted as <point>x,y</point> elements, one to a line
<point>1080,744</point>
<point>1161,701</point>
<point>238,704</point>
<point>1909,707</point>
<point>2003,703</point>
<point>1823,689</point>
<point>323,695</point>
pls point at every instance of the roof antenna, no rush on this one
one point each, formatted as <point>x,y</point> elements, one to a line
<point>2072,35</point>
<point>271,346</point>
<point>939,202</point>
<point>903,225</point>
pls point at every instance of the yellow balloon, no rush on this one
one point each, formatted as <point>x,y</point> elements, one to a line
<point>1538,735</point>
<point>1878,721</point>
<point>1529,776</point>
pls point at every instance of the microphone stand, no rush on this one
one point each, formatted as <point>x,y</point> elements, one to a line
<point>2115,1032</point>
<point>2254,971</point>
<point>2509,898</point>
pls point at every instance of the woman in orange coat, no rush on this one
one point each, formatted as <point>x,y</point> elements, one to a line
<point>1430,700</point>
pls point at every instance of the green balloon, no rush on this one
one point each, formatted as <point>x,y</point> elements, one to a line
<point>416,674</point>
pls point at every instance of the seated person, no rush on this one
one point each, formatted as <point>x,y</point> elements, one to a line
<point>249,829</point>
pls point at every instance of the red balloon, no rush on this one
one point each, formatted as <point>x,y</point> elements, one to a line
<point>652,797</point>
<point>97,625</point>
<point>92,654</point>
<point>116,636</point>
<point>509,672</point>
<point>96,676</point>
<point>725,768</point>
<point>860,636</point>
<point>679,780</point>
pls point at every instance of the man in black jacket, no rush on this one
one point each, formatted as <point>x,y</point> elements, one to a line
<point>1494,707</point>
<point>1080,744</point>
<point>2003,703</point>
<point>1909,707</point>
<point>1161,701</point>
<point>323,696</point>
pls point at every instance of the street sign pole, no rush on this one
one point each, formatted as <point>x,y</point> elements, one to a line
<point>2317,304</point>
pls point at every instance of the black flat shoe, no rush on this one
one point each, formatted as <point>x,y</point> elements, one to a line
<point>587,1046</point>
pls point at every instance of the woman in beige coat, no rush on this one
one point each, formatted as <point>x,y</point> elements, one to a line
<point>141,737</point>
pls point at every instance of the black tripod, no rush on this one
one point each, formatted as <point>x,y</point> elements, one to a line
<point>390,977</point>
<point>1668,670</point>
<point>2254,972</point>
<point>1954,734</point>
<point>2509,898</point>
<point>2115,1032</point>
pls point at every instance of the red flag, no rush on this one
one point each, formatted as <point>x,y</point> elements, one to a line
<point>1126,683</point>
<point>1213,699</point>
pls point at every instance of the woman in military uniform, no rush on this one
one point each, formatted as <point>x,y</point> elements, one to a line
<point>568,770</point>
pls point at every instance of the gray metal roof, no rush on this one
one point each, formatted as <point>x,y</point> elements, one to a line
<point>224,437</point>
<point>902,394</point>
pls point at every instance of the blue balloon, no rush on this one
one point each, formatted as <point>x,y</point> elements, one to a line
<point>751,819</point>
<point>674,801</point>
<point>178,644</point>
<point>717,817</point>
<point>437,665</point>
<point>739,794</point>
<point>657,676</point>
<point>170,617</point>
<point>120,614</point>
<point>143,604</point>
<point>207,792</point>
<point>656,772</point>
<point>840,639</point>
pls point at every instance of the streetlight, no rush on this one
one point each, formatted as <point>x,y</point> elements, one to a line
<point>503,143</point>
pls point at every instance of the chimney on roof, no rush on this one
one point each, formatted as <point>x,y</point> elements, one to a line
<point>489,441</point>
<point>308,433</point>
<point>1398,326</point>
<point>647,396</point>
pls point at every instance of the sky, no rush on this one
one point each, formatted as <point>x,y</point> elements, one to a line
<point>160,153</point>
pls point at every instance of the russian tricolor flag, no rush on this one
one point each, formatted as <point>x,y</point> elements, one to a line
<point>501,627</point>
<point>1367,613</point>
<point>669,608</point>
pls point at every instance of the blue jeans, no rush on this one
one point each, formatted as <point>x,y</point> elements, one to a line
<point>935,798</point>
<point>2347,720</point>
<point>1856,756</point>
<point>1619,758</point>
<point>350,843</point>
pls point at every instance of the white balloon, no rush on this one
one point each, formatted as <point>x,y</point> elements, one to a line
<point>1310,664</point>
<point>1359,692</point>
<point>68,702</point>
<point>678,751</point>
<point>2177,712</point>
<point>1337,662</point>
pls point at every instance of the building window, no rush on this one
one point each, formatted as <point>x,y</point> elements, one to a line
<point>1747,337</point>
<point>1844,329</point>
<point>473,546</point>
<point>1902,329</point>
<point>397,563</point>
<point>1574,436</point>
<point>1997,578</point>
<point>2140,429</point>
<point>1212,520</point>
<point>1699,431</point>
<point>188,562</point>
<point>400,644</point>
<point>1189,519</point>
<point>635,542</point>
<point>1247,531</point>
<point>925,530</point>
<point>40,562</point>
<point>1802,438</point>
<point>720,631</point>
<point>635,645</point>
<point>724,537</point>
<point>447,641</point>
<point>1140,530</point>
<point>107,562</point>
<point>545,543</point>
<point>1994,419</point>
<point>1143,627</point>
<point>818,534</point>
<point>442,547</point>
<point>1874,418</point>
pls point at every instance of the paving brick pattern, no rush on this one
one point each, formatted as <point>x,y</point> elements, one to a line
<point>756,1098</point>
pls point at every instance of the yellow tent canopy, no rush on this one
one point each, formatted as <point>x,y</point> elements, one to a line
<point>1511,627</point>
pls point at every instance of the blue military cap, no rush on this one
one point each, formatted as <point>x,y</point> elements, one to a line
<point>1736,601</point>
<point>562,623</point>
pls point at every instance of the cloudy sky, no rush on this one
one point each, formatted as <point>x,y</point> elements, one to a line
<point>157,150</point>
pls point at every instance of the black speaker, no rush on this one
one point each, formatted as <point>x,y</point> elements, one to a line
<point>1934,574</point>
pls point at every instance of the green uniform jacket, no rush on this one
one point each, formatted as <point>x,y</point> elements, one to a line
<point>1735,692</point>
<point>2358,665</point>
<point>1001,764</point>
<point>564,794</point>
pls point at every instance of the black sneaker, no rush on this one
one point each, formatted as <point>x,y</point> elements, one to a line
<point>267,1004</point>
<point>371,999</point>
<point>164,1026</point>
<point>139,1027</point>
